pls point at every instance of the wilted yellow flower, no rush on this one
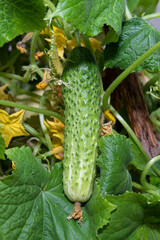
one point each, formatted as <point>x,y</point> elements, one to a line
<point>43,84</point>
<point>26,38</point>
<point>38,55</point>
<point>106,129</point>
<point>56,130</point>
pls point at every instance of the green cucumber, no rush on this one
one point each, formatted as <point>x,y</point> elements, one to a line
<point>82,99</point>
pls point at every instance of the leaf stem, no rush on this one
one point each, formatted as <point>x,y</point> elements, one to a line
<point>32,54</point>
<point>145,171</point>
<point>31,109</point>
<point>44,155</point>
<point>77,38</point>
<point>151,16</point>
<point>21,91</point>
<point>87,42</point>
<point>33,48</point>
<point>134,137</point>
<point>128,14</point>
<point>41,118</point>
<point>50,5</point>
<point>137,186</point>
<point>125,73</point>
<point>13,76</point>
<point>34,133</point>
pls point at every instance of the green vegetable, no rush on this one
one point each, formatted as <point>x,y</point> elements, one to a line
<point>81,92</point>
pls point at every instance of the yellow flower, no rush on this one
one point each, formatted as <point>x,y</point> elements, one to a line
<point>13,165</point>
<point>73,43</point>
<point>61,41</point>
<point>3,95</point>
<point>109,116</point>
<point>11,125</point>
<point>46,31</point>
<point>56,130</point>
<point>96,45</point>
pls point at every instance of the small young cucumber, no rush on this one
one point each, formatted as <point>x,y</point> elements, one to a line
<point>82,94</point>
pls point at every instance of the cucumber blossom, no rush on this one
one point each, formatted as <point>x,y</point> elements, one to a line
<point>81,94</point>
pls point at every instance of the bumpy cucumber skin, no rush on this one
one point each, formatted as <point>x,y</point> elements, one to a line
<point>81,94</point>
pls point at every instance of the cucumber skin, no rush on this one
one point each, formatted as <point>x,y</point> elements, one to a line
<point>81,94</point>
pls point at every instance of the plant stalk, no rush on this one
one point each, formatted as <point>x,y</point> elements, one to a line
<point>31,109</point>
<point>151,16</point>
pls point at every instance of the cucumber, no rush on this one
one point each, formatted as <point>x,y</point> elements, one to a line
<point>82,99</point>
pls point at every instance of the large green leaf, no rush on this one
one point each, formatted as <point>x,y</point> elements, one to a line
<point>2,147</point>
<point>33,205</point>
<point>136,38</point>
<point>146,6</point>
<point>134,219</point>
<point>115,156</point>
<point>18,17</point>
<point>90,16</point>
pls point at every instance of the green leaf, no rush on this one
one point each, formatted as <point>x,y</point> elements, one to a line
<point>139,161</point>
<point>146,6</point>
<point>115,156</point>
<point>132,4</point>
<point>136,38</point>
<point>134,219</point>
<point>90,16</point>
<point>2,147</point>
<point>33,205</point>
<point>18,17</point>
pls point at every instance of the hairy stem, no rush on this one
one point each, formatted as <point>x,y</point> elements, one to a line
<point>13,76</point>
<point>50,5</point>
<point>151,16</point>
<point>32,54</point>
<point>31,109</point>
<point>44,129</point>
